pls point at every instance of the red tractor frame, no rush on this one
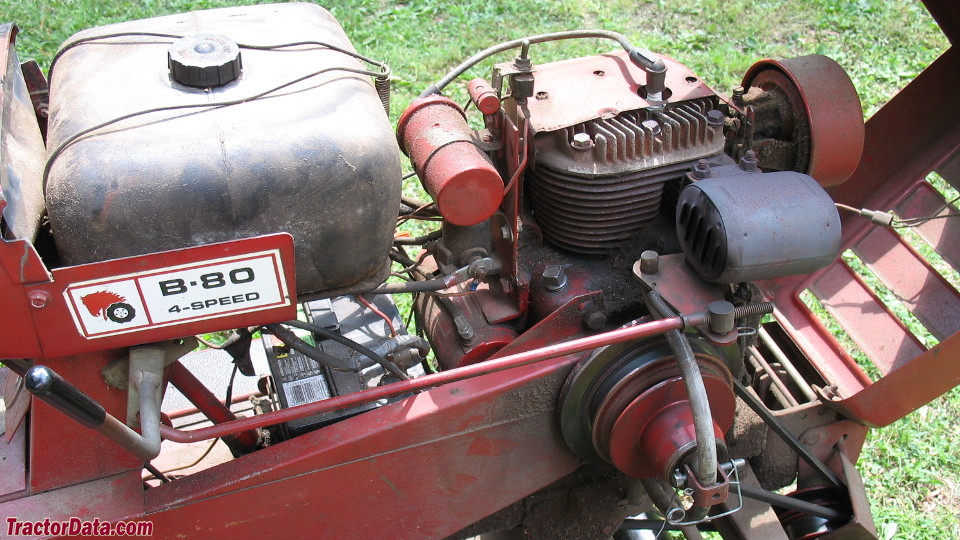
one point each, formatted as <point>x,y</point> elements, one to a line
<point>468,442</point>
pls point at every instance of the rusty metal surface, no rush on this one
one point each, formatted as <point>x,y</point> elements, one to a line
<point>600,179</point>
<point>39,92</point>
<point>676,281</point>
<point>830,108</point>
<point>603,86</point>
<point>467,448</point>
<point>654,433</point>
<point>594,215</point>
<point>612,397</point>
<point>822,441</point>
<point>634,140</point>
<point>891,164</point>
<point>889,169</point>
<point>447,321</point>
<point>108,498</point>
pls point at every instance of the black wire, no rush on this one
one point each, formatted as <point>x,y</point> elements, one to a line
<point>229,397</point>
<point>155,472</point>
<point>410,201</point>
<point>311,352</point>
<point>210,107</point>
<point>327,334</point>
<point>81,41</point>
<point>402,259</point>
<point>384,67</point>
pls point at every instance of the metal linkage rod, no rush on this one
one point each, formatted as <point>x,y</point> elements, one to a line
<point>790,503</point>
<point>428,381</point>
<point>781,431</point>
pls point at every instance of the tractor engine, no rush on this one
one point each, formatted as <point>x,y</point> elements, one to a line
<point>619,188</point>
<point>582,201</point>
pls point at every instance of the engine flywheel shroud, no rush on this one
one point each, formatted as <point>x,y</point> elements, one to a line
<point>626,404</point>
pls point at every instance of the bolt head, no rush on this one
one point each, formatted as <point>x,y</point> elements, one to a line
<point>595,320</point>
<point>721,316</point>
<point>554,278</point>
<point>39,299</point>
<point>582,141</point>
<point>652,126</point>
<point>715,117</point>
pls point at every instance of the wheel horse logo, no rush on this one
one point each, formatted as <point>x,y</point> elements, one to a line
<point>109,305</point>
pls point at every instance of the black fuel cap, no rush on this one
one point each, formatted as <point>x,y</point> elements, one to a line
<point>204,60</point>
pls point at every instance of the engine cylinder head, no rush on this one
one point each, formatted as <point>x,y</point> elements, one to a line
<point>598,182</point>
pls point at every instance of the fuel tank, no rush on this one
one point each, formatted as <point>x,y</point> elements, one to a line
<point>211,126</point>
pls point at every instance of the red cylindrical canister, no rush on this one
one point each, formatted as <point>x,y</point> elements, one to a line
<point>461,179</point>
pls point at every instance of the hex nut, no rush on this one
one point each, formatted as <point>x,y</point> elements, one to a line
<point>701,170</point>
<point>554,278</point>
<point>749,161</point>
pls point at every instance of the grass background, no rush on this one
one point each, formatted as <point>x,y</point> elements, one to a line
<point>911,469</point>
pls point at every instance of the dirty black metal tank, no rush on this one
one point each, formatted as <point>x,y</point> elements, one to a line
<point>316,158</point>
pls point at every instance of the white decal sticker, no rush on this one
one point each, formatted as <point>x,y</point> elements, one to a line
<point>306,390</point>
<point>166,296</point>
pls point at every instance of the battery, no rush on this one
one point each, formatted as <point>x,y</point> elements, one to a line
<point>298,379</point>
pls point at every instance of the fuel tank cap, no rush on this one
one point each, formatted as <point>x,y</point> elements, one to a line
<point>204,60</point>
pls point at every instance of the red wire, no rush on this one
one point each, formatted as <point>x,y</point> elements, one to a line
<point>382,315</point>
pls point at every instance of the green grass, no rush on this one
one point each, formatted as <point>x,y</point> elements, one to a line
<point>911,470</point>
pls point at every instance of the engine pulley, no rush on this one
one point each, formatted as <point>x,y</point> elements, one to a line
<point>627,405</point>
